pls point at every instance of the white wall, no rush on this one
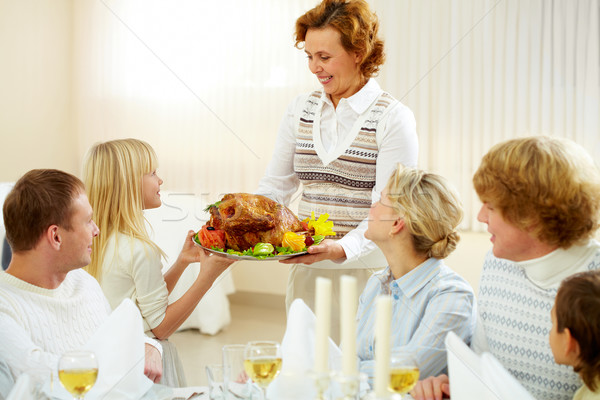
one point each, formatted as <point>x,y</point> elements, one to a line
<point>35,87</point>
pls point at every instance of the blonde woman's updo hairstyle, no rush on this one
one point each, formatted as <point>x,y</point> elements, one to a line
<point>431,209</point>
<point>547,186</point>
<point>113,174</point>
<point>357,25</point>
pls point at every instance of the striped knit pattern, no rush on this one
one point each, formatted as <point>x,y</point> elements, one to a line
<point>73,311</point>
<point>342,188</point>
<point>516,317</point>
<point>427,303</point>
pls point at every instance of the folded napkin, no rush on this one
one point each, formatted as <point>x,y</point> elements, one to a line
<point>119,348</point>
<point>501,382</point>
<point>24,389</point>
<point>464,370</point>
<point>298,356</point>
<point>474,376</point>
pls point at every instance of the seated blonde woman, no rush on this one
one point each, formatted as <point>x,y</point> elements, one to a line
<point>414,224</point>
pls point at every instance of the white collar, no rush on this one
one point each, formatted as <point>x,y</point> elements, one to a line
<point>549,270</point>
<point>361,100</point>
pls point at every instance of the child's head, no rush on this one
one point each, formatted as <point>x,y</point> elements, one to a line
<point>114,175</point>
<point>430,207</point>
<point>575,334</point>
<point>114,171</point>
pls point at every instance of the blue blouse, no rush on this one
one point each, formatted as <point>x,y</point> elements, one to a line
<point>427,303</point>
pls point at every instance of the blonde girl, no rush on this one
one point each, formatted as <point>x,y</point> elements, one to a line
<point>121,181</point>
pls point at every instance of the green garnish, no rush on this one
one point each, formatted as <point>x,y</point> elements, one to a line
<point>252,251</point>
<point>318,239</point>
<point>282,251</point>
<point>215,204</point>
<point>263,249</point>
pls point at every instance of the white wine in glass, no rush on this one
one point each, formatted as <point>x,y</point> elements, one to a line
<point>262,362</point>
<point>78,371</point>
<point>404,372</point>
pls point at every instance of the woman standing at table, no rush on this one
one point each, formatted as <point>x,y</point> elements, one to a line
<point>342,142</point>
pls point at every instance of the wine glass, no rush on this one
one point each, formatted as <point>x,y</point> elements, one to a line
<point>404,372</point>
<point>262,362</point>
<point>77,372</point>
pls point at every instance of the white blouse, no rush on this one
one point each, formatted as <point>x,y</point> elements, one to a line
<point>396,140</point>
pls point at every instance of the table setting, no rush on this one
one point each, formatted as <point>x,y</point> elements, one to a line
<point>109,366</point>
<point>308,364</point>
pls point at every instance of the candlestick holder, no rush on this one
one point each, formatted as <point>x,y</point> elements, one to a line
<point>321,382</point>
<point>347,387</point>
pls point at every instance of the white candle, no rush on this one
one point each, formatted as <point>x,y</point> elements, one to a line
<point>323,324</point>
<point>348,302</point>
<point>383,319</point>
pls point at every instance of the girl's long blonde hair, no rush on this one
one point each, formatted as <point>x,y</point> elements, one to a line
<point>113,173</point>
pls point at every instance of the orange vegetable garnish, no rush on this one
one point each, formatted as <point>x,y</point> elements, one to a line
<point>293,241</point>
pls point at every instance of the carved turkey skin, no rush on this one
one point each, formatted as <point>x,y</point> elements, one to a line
<point>248,219</point>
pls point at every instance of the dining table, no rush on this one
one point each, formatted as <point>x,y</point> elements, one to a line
<point>25,388</point>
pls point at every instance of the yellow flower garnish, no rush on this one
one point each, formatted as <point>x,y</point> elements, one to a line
<point>293,241</point>
<point>321,225</point>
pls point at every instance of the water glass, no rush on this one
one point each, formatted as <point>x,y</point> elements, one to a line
<point>214,375</point>
<point>236,384</point>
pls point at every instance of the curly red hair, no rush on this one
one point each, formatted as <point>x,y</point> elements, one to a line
<point>357,25</point>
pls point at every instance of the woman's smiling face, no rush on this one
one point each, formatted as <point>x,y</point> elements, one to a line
<point>336,69</point>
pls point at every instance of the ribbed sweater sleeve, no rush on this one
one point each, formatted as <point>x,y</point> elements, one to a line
<point>40,324</point>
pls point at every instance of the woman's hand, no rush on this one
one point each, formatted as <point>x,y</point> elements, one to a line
<point>432,388</point>
<point>327,250</point>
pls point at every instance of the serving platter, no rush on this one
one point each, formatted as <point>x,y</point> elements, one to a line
<point>251,258</point>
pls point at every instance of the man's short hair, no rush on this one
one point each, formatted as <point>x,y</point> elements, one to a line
<point>41,198</point>
<point>547,186</point>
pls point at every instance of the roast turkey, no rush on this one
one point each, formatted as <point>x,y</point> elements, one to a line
<point>248,219</point>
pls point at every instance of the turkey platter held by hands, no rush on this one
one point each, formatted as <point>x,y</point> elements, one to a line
<point>240,221</point>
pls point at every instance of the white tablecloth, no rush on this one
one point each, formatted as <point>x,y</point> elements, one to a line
<point>24,390</point>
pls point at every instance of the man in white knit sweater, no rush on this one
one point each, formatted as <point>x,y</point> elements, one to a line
<point>48,304</point>
<point>541,203</point>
